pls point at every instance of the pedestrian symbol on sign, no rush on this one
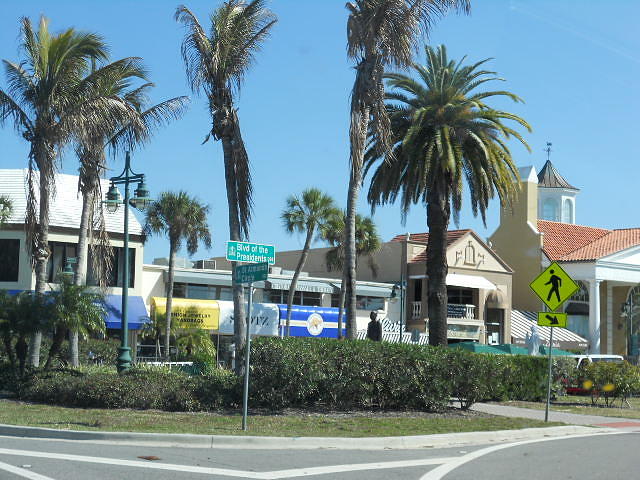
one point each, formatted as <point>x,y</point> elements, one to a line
<point>555,282</point>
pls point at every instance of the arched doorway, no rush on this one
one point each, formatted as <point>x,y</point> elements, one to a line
<point>631,312</point>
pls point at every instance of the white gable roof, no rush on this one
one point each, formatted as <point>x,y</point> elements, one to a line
<point>66,206</point>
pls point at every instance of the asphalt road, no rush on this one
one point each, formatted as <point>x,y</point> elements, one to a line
<point>609,456</point>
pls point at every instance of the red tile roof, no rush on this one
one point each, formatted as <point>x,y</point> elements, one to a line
<point>452,236</point>
<point>567,242</point>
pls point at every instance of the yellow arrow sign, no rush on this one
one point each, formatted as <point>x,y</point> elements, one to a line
<point>554,286</point>
<point>550,319</point>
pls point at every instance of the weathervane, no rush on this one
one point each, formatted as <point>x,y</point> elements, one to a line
<point>548,150</point>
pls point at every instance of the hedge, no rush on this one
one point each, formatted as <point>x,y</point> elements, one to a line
<point>305,373</point>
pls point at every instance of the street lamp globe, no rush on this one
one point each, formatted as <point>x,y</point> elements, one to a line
<point>114,199</point>
<point>141,196</point>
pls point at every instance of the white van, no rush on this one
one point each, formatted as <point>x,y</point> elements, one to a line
<point>582,360</point>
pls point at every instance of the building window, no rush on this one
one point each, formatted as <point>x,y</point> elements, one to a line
<point>201,292</point>
<point>225,293</point>
<point>307,299</point>
<point>60,254</point>
<point>567,212</point>
<point>179,290</point>
<point>117,268</point>
<point>9,260</point>
<point>460,296</point>
<point>369,303</point>
<point>550,210</point>
<point>417,290</point>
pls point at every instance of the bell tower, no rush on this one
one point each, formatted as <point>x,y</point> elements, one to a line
<point>556,196</point>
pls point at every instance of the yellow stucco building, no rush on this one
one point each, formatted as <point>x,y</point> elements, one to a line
<point>541,228</point>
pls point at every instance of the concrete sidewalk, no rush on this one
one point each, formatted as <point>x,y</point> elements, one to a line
<point>299,443</point>
<point>554,416</point>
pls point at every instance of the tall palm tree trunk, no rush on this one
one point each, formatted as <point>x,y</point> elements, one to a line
<point>438,214</point>
<point>343,293</point>
<point>294,280</point>
<point>169,306</point>
<point>88,198</point>
<point>239,323</point>
<point>42,254</point>
<point>56,343</point>
<point>359,126</point>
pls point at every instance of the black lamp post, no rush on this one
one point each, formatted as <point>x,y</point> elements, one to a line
<point>140,200</point>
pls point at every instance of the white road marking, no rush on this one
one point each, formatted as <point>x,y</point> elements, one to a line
<point>273,475</point>
<point>21,472</point>
<point>308,471</point>
<point>439,472</point>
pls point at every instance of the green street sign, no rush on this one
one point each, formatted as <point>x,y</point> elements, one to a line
<point>554,286</point>
<point>255,272</point>
<point>550,319</point>
<point>250,252</point>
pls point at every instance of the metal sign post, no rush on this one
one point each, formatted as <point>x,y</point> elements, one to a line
<point>553,286</point>
<point>546,408</point>
<point>254,272</point>
<point>245,394</point>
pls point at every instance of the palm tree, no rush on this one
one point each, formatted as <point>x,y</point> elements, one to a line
<point>380,33</point>
<point>368,242</point>
<point>181,218</point>
<point>91,154</point>
<point>74,309</point>
<point>444,134</point>
<point>307,213</point>
<point>50,103</point>
<point>216,65</point>
<point>6,209</point>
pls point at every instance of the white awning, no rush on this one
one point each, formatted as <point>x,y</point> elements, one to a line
<point>460,280</point>
<point>471,281</point>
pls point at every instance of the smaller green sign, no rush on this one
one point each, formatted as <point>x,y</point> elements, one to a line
<point>550,319</point>
<point>255,272</point>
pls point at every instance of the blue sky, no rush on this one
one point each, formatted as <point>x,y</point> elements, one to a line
<point>574,62</point>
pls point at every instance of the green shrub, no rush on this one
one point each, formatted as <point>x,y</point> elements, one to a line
<point>309,373</point>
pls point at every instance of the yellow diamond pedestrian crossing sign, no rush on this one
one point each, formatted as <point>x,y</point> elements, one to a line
<point>551,319</point>
<point>554,286</point>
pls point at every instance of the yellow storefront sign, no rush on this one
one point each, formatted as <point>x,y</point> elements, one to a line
<point>189,313</point>
<point>554,286</point>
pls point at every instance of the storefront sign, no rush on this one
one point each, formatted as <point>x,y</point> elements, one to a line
<point>189,313</point>
<point>265,318</point>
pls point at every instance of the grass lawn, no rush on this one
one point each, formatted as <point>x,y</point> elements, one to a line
<point>582,405</point>
<point>331,425</point>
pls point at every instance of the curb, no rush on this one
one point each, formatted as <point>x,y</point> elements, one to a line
<point>301,443</point>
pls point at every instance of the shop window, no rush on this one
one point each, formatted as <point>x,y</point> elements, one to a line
<point>180,290</point>
<point>369,303</point>
<point>307,299</point>
<point>225,294</point>
<point>335,300</point>
<point>9,260</point>
<point>201,292</point>
<point>60,254</point>
<point>460,295</point>
<point>117,268</point>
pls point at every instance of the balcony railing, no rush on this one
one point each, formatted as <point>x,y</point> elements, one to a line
<point>454,310</point>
